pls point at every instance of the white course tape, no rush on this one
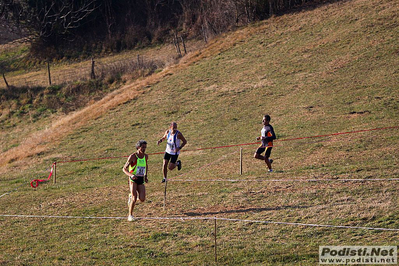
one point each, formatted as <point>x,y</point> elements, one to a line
<point>15,189</point>
<point>202,218</point>
<point>283,180</point>
<point>5,194</point>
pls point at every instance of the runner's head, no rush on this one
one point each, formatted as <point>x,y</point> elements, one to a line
<point>266,119</point>
<point>173,127</point>
<point>141,145</point>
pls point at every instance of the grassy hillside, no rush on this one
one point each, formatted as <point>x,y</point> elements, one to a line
<point>320,71</point>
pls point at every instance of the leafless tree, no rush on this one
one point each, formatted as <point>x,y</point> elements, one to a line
<point>46,18</point>
<point>121,24</point>
<point>61,16</point>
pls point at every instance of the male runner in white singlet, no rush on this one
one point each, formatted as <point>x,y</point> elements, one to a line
<point>175,142</point>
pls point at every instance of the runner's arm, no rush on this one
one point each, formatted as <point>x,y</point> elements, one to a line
<point>163,137</point>
<point>183,139</point>
<point>125,168</point>
<point>273,135</point>
<point>146,167</point>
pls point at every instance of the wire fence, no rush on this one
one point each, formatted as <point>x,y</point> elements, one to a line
<point>138,65</point>
<point>93,69</point>
<point>220,247</point>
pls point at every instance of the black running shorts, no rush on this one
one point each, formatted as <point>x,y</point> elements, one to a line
<point>172,158</point>
<point>139,180</point>
<point>262,149</point>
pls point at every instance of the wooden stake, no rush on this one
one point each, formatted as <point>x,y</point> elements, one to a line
<point>93,74</point>
<point>4,77</point>
<point>215,233</point>
<point>55,173</point>
<point>184,45</point>
<point>164,195</point>
<point>176,42</point>
<point>240,161</point>
<point>49,75</point>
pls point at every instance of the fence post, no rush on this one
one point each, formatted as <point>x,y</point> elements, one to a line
<point>240,160</point>
<point>93,74</point>
<point>140,65</point>
<point>55,173</point>
<point>4,77</point>
<point>164,195</point>
<point>204,34</point>
<point>48,70</point>
<point>184,45</point>
<point>215,233</point>
<point>176,43</point>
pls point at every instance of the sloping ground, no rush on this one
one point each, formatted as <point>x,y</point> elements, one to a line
<point>279,32</point>
<point>37,142</point>
<point>321,71</point>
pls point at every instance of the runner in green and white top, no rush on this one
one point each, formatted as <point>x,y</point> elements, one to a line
<point>136,167</point>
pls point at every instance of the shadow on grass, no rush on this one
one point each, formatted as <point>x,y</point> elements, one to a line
<point>246,210</point>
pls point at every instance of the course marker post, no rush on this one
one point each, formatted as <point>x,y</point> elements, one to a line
<point>55,173</point>
<point>164,195</point>
<point>214,232</point>
<point>240,160</point>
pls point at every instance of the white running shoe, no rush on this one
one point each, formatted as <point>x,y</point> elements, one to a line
<point>270,170</point>
<point>130,218</point>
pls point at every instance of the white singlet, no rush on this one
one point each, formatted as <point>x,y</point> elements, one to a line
<point>172,143</point>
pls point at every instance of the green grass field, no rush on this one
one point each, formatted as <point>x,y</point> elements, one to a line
<point>317,72</point>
